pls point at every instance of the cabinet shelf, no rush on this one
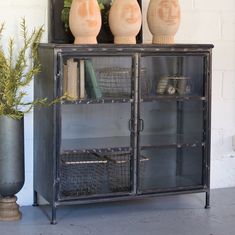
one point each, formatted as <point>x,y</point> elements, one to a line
<point>97,150</point>
<point>184,145</point>
<point>172,98</point>
<point>177,182</point>
<point>98,101</point>
<point>171,141</point>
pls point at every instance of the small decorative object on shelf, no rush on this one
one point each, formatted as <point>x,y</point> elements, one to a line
<point>174,85</point>
<point>125,21</point>
<point>85,21</point>
<point>162,85</point>
<point>163,17</point>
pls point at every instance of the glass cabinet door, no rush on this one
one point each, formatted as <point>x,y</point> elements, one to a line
<point>95,144</point>
<point>172,122</point>
<point>173,76</point>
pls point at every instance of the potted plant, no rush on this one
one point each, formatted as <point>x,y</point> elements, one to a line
<point>17,70</point>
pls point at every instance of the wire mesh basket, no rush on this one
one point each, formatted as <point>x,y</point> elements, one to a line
<point>116,81</point>
<point>119,171</point>
<point>81,174</point>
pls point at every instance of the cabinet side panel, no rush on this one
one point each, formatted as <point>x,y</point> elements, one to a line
<point>44,127</point>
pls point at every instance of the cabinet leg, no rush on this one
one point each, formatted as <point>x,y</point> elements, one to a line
<point>207,206</point>
<point>53,214</point>
<point>35,198</point>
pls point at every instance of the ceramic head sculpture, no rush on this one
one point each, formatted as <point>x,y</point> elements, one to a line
<point>163,17</point>
<point>85,21</point>
<point>125,21</point>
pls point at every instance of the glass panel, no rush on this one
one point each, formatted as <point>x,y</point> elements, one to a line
<point>172,123</point>
<point>95,156</point>
<point>174,75</point>
<point>94,126</point>
<point>97,77</point>
<point>168,168</point>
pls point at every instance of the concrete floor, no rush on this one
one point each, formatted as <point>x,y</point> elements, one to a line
<point>172,215</point>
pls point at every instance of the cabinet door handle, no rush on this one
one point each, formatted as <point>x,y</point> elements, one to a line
<point>141,121</point>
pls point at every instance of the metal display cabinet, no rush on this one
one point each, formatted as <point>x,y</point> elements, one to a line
<point>138,127</point>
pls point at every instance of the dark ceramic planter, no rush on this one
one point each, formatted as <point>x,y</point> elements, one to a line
<point>11,156</point>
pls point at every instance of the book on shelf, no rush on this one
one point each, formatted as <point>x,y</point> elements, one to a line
<point>74,79</point>
<point>71,79</point>
<point>92,87</point>
<point>82,78</point>
<point>65,78</point>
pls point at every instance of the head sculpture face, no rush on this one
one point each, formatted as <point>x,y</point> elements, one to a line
<point>86,10</point>
<point>125,18</point>
<point>87,13</point>
<point>163,19</point>
<point>130,14</point>
<point>168,12</point>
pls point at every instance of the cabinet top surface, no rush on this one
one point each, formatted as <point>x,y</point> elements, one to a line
<point>133,48</point>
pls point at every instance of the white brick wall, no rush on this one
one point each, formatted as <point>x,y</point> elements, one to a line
<point>202,21</point>
<point>214,5</point>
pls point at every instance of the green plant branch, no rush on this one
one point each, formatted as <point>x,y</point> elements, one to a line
<point>17,70</point>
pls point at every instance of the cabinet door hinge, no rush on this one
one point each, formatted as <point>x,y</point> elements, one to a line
<point>58,75</point>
